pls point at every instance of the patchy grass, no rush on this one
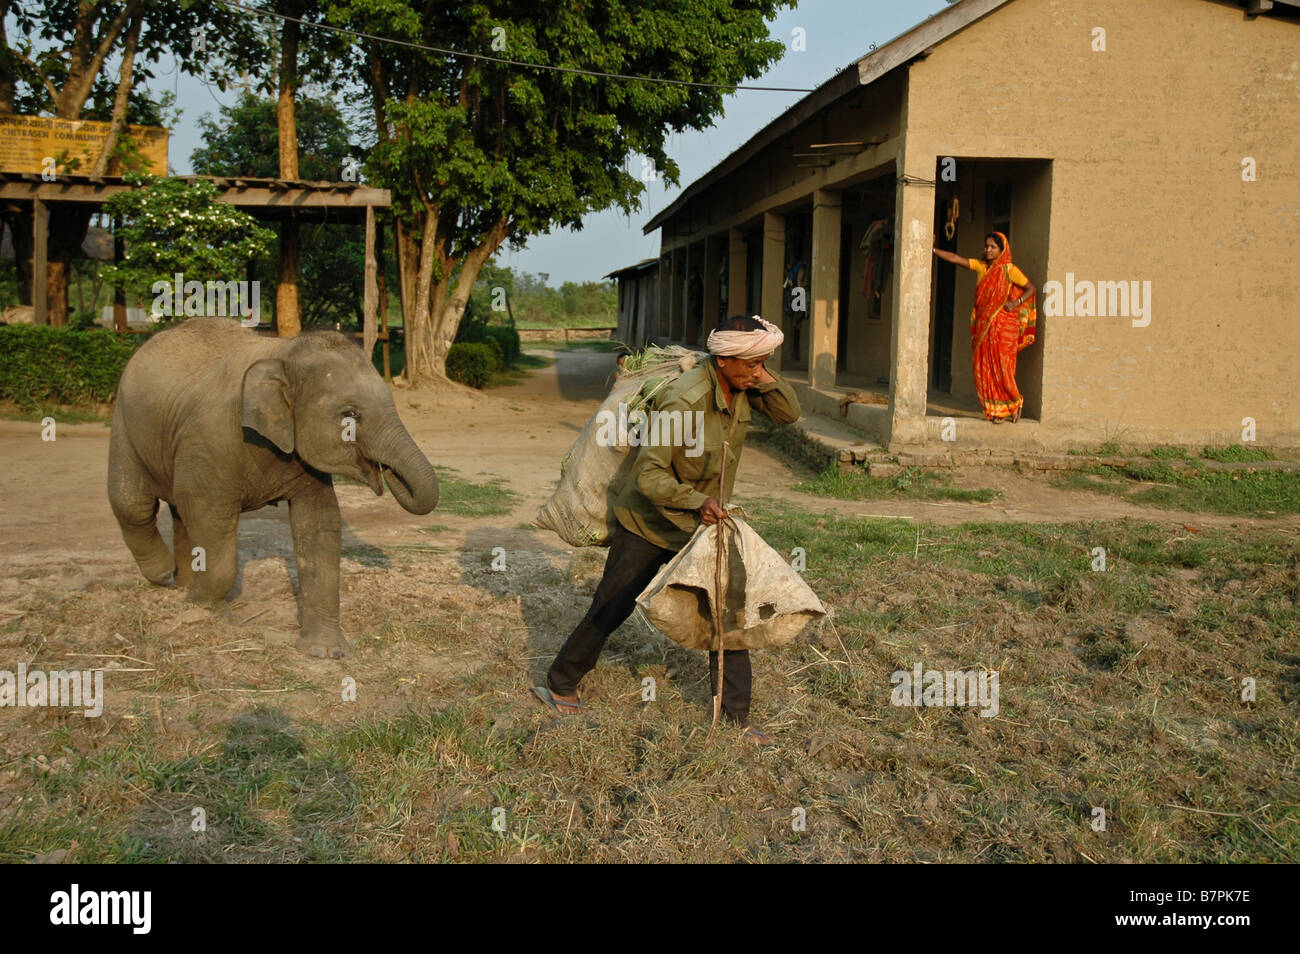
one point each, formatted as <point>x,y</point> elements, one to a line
<point>599,345</point>
<point>1104,449</point>
<point>912,484</point>
<point>1193,488</point>
<point>1119,688</point>
<point>1237,452</point>
<point>520,371</point>
<point>481,497</point>
<point>62,413</point>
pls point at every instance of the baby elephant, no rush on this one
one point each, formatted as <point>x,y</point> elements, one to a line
<point>217,420</point>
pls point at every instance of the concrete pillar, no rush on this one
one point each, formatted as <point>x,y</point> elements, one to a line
<point>737,274</point>
<point>909,360</point>
<point>712,285</point>
<point>773,275</point>
<point>825,291</point>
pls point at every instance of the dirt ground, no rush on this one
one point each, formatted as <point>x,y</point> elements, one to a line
<point>70,594</point>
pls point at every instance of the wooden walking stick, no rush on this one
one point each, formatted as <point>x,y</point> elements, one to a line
<point>719,595</point>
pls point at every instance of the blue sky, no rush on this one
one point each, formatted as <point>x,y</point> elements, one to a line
<point>836,33</point>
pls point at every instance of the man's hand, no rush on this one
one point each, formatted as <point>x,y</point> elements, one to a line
<point>711,512</point>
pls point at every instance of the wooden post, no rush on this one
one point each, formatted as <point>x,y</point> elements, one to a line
<point>40,260</point>
<point>119,293</point>
<point>368,330</point>
<point>383,299</point>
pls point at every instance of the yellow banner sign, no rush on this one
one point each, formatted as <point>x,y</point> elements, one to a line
<point>40,144</point>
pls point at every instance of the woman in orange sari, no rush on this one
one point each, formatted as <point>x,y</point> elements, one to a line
<point>1002,324</point>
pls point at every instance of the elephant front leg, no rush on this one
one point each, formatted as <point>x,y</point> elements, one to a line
<point>314,517</point>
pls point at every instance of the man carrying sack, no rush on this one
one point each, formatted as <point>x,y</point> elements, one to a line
<point>669,493</point>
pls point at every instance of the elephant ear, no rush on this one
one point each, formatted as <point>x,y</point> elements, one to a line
<point>266,407</point>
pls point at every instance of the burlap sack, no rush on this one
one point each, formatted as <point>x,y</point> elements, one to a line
<point>767,603</point>
<point>581,510</point>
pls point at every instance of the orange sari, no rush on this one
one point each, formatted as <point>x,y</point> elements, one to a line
<point>997,335</point>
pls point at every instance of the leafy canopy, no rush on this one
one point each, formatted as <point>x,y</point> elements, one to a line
<point>486,143</point>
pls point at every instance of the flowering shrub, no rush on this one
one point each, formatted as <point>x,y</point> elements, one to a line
<point>171,226</point>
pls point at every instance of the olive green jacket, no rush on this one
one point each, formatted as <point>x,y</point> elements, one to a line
<point>667,485</point>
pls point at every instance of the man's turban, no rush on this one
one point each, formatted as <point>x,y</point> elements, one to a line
<point>746,345</point>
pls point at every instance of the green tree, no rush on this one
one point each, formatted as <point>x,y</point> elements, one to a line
<point>57,62</point>
<point>171,226</point>
<point>241,141</point>
<point>480,153</point>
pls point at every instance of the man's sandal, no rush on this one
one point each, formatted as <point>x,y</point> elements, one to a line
<point>757,737</point>
<point>562,706</point>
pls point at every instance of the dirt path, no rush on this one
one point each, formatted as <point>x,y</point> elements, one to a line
<point>58,512</point>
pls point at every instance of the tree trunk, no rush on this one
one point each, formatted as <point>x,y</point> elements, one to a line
<point>447,318</point>
<point>67,232</point>
<point>431,307</point>
<point>288,314</point>
<point>117,122</point>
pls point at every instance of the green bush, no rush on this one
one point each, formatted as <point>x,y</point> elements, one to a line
<point>498,352</point>
<point>471,363</point>
<point>40,364</point>
<point>502,339</point>
<point>508,339</point>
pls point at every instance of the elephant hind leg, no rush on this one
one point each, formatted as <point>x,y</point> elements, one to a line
<point>136,508</point>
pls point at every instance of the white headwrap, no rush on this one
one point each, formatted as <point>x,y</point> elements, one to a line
<point>746,344</point>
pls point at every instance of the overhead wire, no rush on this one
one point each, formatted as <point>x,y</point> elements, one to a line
<point>601,74</point>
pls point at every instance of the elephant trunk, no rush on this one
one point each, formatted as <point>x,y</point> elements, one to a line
<point>409,475</point>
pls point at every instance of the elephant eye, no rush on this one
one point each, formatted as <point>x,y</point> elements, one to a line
<point>354,415</point>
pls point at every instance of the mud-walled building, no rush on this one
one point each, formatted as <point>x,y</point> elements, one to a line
<point>1142,157</point>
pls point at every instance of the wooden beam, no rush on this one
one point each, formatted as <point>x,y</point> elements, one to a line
<point>253,197</point>
<point>40,260</point>
<point>371,289</point>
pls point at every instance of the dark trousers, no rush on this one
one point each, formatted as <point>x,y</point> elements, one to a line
<point>632,563</point>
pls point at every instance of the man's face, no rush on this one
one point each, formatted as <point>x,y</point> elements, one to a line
<point>741,373</point>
